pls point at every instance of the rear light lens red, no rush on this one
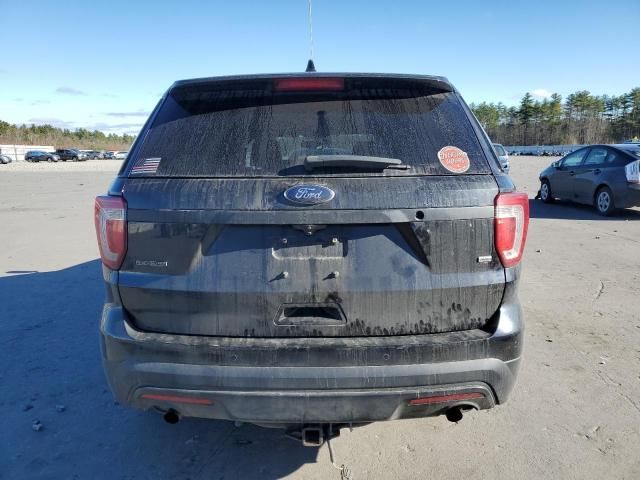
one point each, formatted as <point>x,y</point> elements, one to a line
<point>308,84</point>
<point>111,229</point>
<point>511,225</point>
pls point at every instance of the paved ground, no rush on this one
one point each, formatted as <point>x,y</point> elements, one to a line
<point>575,412</point>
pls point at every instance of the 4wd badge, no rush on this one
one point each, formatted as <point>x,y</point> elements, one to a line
<point>309,194</point>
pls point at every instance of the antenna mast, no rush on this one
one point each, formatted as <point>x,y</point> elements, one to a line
<point>310,65</point>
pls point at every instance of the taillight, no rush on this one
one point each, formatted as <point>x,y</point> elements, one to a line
<point>111,229</point>
<point>307,84</point>
<point>511,224</point>
<point>632,171</point>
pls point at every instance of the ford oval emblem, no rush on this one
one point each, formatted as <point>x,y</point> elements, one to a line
<point>309,194</point>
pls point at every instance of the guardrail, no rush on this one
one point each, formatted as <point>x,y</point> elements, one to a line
<point>541,150</point>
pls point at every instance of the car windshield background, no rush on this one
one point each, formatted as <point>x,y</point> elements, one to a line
<point>269,137</point>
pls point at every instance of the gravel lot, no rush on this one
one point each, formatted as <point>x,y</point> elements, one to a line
<point>575,412</point>
<point>86,166</point>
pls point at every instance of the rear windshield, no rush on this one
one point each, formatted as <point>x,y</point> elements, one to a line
<point>500,150</point>
<point>632,149</point>
<point>222,133</point>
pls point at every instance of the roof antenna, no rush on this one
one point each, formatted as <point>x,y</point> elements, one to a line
<point>310,65</point>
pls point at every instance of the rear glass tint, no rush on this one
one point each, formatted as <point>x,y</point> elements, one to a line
<point>253,133</point>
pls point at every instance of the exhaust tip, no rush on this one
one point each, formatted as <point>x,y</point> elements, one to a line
<point>454,414</point>
<point>171,416</point>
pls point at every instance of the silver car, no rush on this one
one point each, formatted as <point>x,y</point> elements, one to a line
<point>503,156</point>
<point>605,176</point>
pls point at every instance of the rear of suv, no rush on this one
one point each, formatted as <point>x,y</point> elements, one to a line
<point>311,249</point>
<point>71,154</point>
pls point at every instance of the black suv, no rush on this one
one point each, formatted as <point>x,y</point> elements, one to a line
<point>312,249</point>
<point>67,154</point>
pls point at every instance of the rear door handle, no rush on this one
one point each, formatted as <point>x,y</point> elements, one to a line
<point>596,171</point>
<point>572,173</point>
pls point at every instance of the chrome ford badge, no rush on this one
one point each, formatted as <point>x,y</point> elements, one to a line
<point>309,194</point>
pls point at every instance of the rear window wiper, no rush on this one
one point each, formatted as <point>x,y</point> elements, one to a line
<point>312,162</point>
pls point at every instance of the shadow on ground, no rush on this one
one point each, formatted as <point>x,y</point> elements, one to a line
<point>561,210</point>
<point>52,373</point>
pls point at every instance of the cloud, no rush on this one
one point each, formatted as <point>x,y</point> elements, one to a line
<point>56,122</point>
<point>109,95</point>
<point>118,127</point>
<point>139,113</point>
<point>18,99</point>
<point>541,93</point>
<point>40,102</point>
<point>69,91</point>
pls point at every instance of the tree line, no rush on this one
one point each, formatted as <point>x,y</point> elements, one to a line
<point>582,118</point>
<point>62,137</point>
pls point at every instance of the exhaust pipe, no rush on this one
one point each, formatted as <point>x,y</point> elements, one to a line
<point>454,414</point>
<point>172,416</point>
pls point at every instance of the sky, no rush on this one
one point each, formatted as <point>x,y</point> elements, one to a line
<point>105,64</point>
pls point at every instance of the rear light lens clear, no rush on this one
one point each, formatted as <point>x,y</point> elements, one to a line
<point>111,229</point>
<point>308,84</point>
<point>511,225</point>
<point>632,171</point>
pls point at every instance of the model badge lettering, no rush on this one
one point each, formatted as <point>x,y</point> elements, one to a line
<point>151,263</point>
<point>309,194</point>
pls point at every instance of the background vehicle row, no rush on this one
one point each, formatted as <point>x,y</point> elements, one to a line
<point>69,154</point>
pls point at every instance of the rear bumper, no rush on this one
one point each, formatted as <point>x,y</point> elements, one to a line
<point>311,379</point>
<point>627,197</point>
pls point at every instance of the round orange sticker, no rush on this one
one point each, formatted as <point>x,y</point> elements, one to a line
<point>454,159</point>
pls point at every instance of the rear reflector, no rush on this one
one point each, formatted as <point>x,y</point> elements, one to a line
<point>454,397</point>
<point>111,229</point>
<point>308,84</point>
<point>176,399</point>
<point>511,225</point>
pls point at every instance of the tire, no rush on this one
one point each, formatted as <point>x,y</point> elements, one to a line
<point>545,191</point>
<point>603,201</point>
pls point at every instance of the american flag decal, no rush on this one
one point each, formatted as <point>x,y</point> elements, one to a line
<point>146,165</point>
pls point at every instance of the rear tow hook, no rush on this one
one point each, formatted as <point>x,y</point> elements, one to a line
<point>315,436</point>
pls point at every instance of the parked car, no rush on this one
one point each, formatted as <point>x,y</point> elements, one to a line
<point>503,156</point>
<point>93,154</point>
<point>109,155</point>
<point>320,250</point>
<point>594,175</point>
<point>68,154</point>
<point>4,159</point>
<point>120,155</point>
<point>40,156</point>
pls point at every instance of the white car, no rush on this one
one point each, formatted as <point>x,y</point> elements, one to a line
<point>120,155</point>
<point>503,156</point>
